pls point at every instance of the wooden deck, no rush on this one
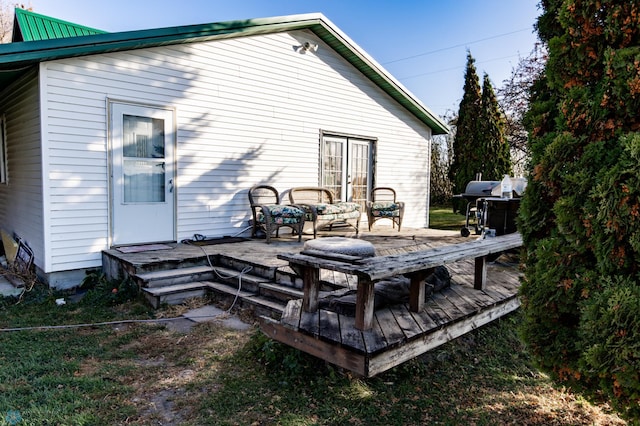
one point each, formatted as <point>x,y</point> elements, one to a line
<point>398,334</point>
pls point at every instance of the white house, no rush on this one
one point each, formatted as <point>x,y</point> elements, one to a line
<point>146,136</point>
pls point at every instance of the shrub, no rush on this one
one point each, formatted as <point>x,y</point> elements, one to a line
<point>579,216</point>
<point>611,335</point>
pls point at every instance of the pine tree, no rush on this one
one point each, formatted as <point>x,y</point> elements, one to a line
<point>480,145</point>
<point>492,140</point>
<point>580,216</point>
<point>467,160</point>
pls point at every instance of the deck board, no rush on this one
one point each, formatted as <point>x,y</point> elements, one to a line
<point>407,323</point>
<point>330,329</point>
<point>291,314</point>
<point>309,321</point>
<point>390,328</point>
<point>374,340</point>
<point>349,335</point>
<point>436,312</point>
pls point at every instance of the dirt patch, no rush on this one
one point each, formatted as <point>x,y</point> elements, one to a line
<point>169,366</point>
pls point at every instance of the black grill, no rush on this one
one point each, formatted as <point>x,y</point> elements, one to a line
<point>487,209</point>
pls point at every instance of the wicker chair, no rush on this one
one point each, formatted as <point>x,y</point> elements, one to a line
<point>383,205</point>
<point>269,215</point>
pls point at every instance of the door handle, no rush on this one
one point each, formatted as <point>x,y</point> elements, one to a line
<point>170,185</point>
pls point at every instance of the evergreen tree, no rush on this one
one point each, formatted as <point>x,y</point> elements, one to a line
<point>580,213</point>
<point>467,160</point>
<point>495,152</point>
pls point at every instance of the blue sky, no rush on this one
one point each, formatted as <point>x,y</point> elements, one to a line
<point>422,43</point>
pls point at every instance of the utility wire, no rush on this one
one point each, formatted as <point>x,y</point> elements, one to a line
<point>246,270</point>
<point>455,68</point>
<point>97,324</point>
<point>455,46</point>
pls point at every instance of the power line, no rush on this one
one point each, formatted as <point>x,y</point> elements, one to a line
<point>455,68</point>
<point>455,46</point>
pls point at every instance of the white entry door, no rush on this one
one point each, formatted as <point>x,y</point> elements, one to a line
<point>142,174</point>
<point>346,168</point>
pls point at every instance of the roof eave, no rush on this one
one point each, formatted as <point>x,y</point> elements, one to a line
<point>348,49</point>
<point>17,55</point>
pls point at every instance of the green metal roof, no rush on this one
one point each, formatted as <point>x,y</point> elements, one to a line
<point>15,56</point>
<point>30,26</point>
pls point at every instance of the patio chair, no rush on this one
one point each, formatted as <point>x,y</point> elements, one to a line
<point>383,205</point>
<point>269,215</point>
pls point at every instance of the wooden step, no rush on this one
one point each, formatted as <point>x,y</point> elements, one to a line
<point>261,305</point>
<point>250,282</point>
<point>279,292</point>
<point>172,277</point>
<point>175,294</point>
<point>264,271</point>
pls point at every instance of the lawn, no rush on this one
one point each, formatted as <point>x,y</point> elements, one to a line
<point>143,373</point>
<point>443,217</point>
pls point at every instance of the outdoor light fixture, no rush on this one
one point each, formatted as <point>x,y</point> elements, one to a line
<point>307,46</point>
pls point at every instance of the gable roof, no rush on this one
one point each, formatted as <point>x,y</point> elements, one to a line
<point>15,57</point>
<point>30,26</point>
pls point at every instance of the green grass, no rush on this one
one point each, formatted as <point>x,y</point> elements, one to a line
<point>146,374</point>
<point>443,217</point>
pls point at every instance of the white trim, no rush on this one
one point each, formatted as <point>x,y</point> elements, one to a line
<point>4,165</point>
<point>44,150</point>
<point>110,103</point>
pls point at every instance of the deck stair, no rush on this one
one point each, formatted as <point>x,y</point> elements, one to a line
<point>265,290</point>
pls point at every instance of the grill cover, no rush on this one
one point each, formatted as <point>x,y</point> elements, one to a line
<point>493,188</point>
<point>482,188</point>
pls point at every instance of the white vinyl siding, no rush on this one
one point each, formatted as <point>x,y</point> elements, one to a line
<point>249,111</point>
<point>21,204</point>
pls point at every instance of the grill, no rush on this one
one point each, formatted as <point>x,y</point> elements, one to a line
<point>487,209</point>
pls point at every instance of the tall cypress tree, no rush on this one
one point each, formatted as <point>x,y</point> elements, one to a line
<point>467,161</point>
<point>493,142</point>
<point>580,216</point>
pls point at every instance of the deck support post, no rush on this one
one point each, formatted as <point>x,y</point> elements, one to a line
<point>480,275</point>
<point>365,304</point>
<point>417,288</point>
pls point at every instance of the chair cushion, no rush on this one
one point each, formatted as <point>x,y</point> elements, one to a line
<point>282,214</point>
<point>385,209</point>
<point>341,207</point>
<point>384,206</point>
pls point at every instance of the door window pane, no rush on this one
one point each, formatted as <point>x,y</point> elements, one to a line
<point>143,160</point>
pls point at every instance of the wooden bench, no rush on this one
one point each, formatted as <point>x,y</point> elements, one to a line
<point>416,266</point>
<point>323,210</point>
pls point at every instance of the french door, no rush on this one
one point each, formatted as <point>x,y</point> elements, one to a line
<point>347,167</point>
<point>142,174</point>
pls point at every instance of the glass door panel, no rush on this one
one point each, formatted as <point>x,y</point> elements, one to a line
<point>359,172</point>
<point>334,165</point>
<point>346,168</point>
